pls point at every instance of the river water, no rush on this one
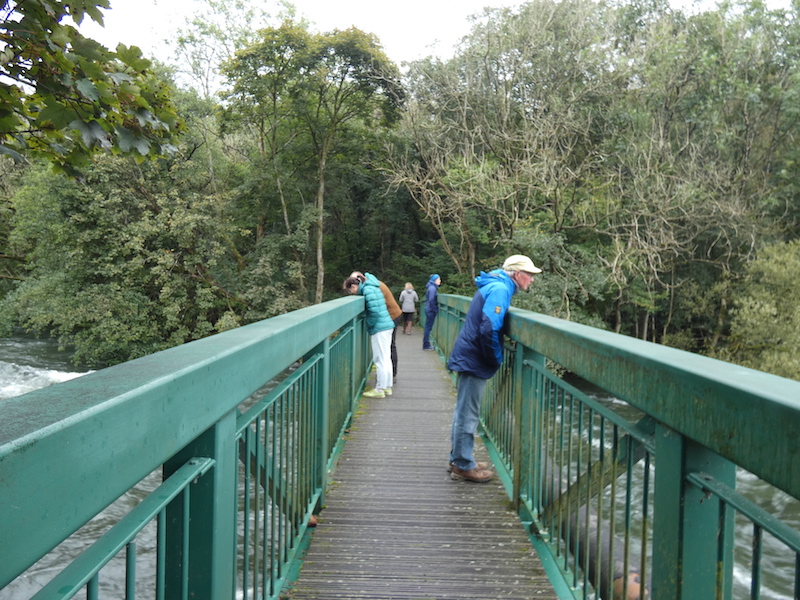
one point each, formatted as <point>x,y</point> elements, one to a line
<point>27,363</point>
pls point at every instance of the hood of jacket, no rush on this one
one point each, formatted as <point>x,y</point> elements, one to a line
<point>478,349</point>
<point>484,279</point>
<point>370,280</point>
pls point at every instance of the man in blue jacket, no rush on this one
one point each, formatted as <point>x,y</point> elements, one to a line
<point>431,308</point>
<point>477,354</point>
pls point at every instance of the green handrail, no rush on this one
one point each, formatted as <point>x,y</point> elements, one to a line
<point>640,487</point>
<point>613,505</point>
<point>264,406</point>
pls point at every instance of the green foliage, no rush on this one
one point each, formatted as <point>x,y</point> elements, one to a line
<point>117,267</point>
<point>297,93</point>
<point>574,286</point>
<point>64,96</point>
<point>11,263</point>
<point>648,138</point>
<point>765,329</point>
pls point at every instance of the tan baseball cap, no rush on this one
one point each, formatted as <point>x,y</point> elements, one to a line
<point>520,262</point>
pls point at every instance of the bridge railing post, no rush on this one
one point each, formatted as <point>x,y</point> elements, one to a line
<point>211,543</point>
<point>527,473</point>
<point>323,417</point>
<point>355,375</point>
<point>689,561</point>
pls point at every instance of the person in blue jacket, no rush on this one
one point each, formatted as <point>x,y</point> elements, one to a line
<point>477,355</point>
<point>380,327</point>
<point>431,308</point>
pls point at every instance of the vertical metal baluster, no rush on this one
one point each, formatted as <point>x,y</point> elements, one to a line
<point>721,543</point>
<point>583,544</point>
<point>612,509</point>
<point>260,489</point>
<point>161,558</point>
<point>306,468</point>
<point>628,501</point>
<point>296,498</point>
<point>248,448</point>
<point>270,504</point>
<point>555,479</point>
<point>308,421</point>
<point>573,478</point>
<point>303,466</point>
<point>537,472</point>
<point>600,494</point>
<point>271,524</point>
<point>280,495</point>
<point>93,588</point>
<point>587,542</point>
<point>186,494</point>
<point>286,478</point>
<point>508,433</point>
<point>130,571</point>
<point>557,468</point>
<point>645,522</point>
<point>755,585</point>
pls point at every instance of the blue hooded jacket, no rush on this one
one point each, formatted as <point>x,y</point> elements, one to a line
<point>377,317</point>
<point>432,296</point>
<point>479,347</point>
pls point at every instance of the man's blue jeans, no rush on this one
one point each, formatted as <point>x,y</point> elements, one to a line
<point>430,317</point>
<point>465,420</point>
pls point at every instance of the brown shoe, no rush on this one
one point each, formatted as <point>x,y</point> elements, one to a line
<point>476,475</point>
<point>481,465</point>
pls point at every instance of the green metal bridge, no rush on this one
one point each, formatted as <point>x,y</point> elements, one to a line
<point>251,432</point>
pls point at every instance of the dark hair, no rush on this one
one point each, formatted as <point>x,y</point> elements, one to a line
<point>350,281</point>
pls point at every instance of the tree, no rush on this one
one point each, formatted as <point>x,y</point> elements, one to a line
<point>765,329</point>
<point>127,261</point>
<point>11,262</point>
<point>64,96</point>
<point>316,84</point>
<point>351,78</point>
<point>705,120</point>
<point>212,38</point>
<point>508,129</point>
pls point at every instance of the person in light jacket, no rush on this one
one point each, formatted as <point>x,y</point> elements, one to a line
<point>408,304</point>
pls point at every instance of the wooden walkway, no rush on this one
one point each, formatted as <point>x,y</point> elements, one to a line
<point>395,526</point>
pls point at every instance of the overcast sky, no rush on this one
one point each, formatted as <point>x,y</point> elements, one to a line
<point>407,29</point>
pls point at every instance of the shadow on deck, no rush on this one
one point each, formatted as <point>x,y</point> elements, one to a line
<point>395,526</point>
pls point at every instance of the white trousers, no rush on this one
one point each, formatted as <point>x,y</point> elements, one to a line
<point>382,355</point>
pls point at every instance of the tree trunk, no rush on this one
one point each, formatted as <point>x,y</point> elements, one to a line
<point>320,219</point>
<point>301,278</point>
<point>721,319</point>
